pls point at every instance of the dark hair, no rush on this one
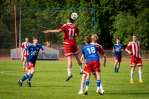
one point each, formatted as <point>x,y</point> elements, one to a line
<point>35,37</point>
<point>70,19</point>
<point>134,35</point>
<point>87,39</point>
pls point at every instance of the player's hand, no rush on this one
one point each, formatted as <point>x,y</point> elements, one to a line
<point>46,31</point>
<point>43,52</point>
<point>129,52</point>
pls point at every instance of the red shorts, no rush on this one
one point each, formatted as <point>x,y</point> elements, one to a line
<point>71,49</point>
<point>93,66</point>
<point>136,61</point>
<point>118,59</point>
<point>30,65</point>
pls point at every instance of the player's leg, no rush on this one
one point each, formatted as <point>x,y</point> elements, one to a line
<point>25,63</point>
<point>131,74</point>
<point>98,80</point>
<point>88,70</point>
<point>30,73</point>
<point>69,60</point>
<point>87,82</point>
<point>96,68</point>
<point>23,79</point>
<point>115,64</point>
<point>79,62</point>
<point>76,53</point>
<point>82,84</point>
<point>118,66</point>
<point>101,87</point>
<point>140,74</point>
<point>140,70</point>
<point>133,65</point>
<point>68,54</point>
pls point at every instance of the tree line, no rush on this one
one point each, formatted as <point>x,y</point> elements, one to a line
<point>114,19</point>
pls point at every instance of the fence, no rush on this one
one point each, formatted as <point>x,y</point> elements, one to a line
<point>145,53</point>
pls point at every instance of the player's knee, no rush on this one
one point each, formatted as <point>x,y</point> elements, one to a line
<point>32,72</point>
<point>140,67</point>
<point>133,68</point>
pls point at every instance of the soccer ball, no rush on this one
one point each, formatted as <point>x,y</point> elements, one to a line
<point>74,15</point>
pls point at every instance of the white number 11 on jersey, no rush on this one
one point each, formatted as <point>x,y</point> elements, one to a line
<point>71,33</point>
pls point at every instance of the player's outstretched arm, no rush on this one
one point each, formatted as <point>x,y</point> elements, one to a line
<point>52,31</point>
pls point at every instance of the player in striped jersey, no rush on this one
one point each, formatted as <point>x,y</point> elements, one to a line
<point>134,50</point>
<point>24,45</point>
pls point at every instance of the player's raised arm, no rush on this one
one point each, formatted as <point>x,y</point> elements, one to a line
<point>52,31</point>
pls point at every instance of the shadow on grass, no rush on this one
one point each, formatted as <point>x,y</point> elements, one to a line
<point>128,92</point>
<point>50,86</point>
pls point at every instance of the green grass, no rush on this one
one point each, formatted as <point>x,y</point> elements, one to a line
<point>49,82</point>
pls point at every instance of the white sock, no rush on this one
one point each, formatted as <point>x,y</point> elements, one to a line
<point>21,81</point>
<point>101,86</point>
<point>82,86</point>
<point>140,74</point>
<point>81,67</point>
<point>131,74</point>
<point>24,63</point>
<point>86,88</point>
<point>69,71</point>
<point>98,88</point>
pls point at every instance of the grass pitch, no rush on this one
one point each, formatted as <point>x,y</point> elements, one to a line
<point>49,82</point>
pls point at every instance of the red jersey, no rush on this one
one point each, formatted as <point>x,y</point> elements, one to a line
<point>24,45</point>
<point>135,49</point>
<point>99,47</point>
<point>70,32</point>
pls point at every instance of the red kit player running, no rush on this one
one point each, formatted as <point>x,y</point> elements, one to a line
<point>133,49</point>
<point>70,32</point>
<point>24,45</point>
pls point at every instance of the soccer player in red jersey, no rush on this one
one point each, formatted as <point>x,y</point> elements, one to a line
<point>70,32</point>
<point>134,50</point>
<point>24,45</point>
